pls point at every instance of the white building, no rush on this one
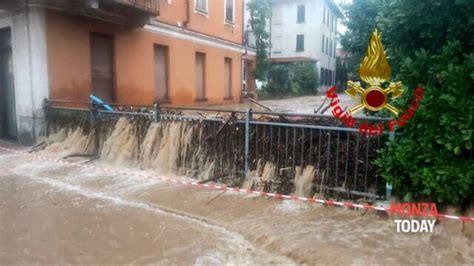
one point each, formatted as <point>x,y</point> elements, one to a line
<point>23,73</point>
<point>305,30</point>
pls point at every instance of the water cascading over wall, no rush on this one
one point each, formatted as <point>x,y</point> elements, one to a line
<point>189,147</point>
<point>284,159</point>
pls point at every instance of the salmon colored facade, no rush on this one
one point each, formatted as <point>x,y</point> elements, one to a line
<point>179,28</point>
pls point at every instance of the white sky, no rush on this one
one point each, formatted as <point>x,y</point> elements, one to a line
<point>341,28</point>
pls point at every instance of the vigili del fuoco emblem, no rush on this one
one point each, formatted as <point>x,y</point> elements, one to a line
<point>375,71</point>
<point>377,93</point>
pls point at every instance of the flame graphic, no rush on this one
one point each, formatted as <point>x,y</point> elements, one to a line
<point>375,68</point>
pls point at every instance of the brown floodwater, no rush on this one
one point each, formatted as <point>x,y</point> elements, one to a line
<point>56,214</point>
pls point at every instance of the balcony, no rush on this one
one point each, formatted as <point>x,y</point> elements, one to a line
<point>125,12</point>
<point>131,7</point>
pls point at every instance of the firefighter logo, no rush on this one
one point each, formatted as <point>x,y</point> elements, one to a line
<point>375,72</point>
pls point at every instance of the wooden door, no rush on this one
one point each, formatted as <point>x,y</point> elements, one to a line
<point>102,66</point>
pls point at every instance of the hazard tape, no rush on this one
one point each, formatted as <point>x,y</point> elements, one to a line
<point>295,198</point>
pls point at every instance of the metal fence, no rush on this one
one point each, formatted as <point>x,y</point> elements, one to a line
<point>239,142</point>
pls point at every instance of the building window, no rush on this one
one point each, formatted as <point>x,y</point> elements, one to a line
<point>299,42</point>
<point>321,74</point>
<point>328,16</point>
<point>228,78</point>
<point>325,76</point>
<point>161,72</point>
<point>229,11</point>
<point>322,45</point>
<point>301,14</point>
<point>330,49</point>
<point>327,46</point>
<point>200,76</point>
<point>201,5</point>
<point>324,14</point>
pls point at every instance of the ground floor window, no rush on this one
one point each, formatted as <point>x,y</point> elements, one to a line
<point>200,76</point>
<point>161,72</point>
<point>228,78</point>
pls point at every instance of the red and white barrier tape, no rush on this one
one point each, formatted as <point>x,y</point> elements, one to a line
<point>234,189</point>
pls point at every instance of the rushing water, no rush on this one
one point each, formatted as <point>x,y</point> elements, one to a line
<point>173,148</point>
<point>57,214</point>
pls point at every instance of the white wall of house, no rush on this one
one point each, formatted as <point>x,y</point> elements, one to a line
<point>284,28</point>
<point>30,71</point>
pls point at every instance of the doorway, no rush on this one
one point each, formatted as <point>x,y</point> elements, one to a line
<point>8,123</point>
<point>102,56</point>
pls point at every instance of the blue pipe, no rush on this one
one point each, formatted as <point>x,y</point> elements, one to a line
<point>100,102</point>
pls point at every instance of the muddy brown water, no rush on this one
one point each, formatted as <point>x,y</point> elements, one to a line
<point>50,213</point>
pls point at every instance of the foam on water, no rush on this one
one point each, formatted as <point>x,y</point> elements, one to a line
<point>234,241</point>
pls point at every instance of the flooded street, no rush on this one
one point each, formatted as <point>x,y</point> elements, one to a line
<point>307,104</point>
<point>53,213</point>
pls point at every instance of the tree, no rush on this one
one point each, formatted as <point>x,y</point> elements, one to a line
<point>279,80</point>
<point>305,78</point>
<point>430,45</point>
<point>360,20</point>
<point>260,12</point>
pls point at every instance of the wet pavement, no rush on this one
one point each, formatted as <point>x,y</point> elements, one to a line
<point>56,214</point>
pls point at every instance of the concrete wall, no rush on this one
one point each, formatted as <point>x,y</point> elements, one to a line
<point>28,30</point>
<point>70,70</point>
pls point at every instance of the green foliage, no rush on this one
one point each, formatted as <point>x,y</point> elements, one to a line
<point>360,20</point>
<point>430,45</point>
<point>278,80</point>
<point>298,78</point>
<point>305,78</point>
<point>433,158</point>
<point>260,12</point>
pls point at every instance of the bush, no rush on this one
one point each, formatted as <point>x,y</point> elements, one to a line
<point>305,78</point>
<point>433,159</point>
<point>430,45</point>
<point>278,80</point>
<point>298,78</point>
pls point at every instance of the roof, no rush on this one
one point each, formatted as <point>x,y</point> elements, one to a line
<point>335,8</point>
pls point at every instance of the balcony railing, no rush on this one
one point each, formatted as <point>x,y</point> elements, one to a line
<point>150,6</point>
<point>131,12</point>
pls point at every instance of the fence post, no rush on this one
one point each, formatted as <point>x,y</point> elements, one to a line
<point>94,128</point>
<point>46,105</point>
<point>388,186</point>
<point>93,113</point>
<point>156,107</point>
<point>248,117</point>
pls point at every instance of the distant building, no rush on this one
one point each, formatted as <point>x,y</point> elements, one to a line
<point>342,66</point>
<point>305,30</point>
<point>135,52</point>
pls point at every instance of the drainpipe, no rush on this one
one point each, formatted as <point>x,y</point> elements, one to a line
<point>185,23</point>
<point>242,62</point>
<point>242,59</point>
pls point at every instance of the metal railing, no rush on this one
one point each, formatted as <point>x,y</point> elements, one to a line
<point>237,142</point>
<point>151,5</point>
